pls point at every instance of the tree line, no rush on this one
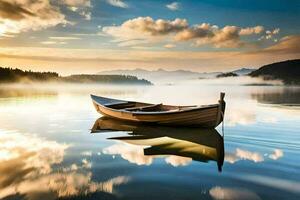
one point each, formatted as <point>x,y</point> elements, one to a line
<point>10,75</point>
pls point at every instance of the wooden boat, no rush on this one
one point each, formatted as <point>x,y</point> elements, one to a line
<point>199,144</point>
<point>208,116</point>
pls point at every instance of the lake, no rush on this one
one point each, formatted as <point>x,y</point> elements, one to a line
<point>47,150</point>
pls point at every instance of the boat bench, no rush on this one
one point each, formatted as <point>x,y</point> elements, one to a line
<point>145,108</point>
<point>119,104</point>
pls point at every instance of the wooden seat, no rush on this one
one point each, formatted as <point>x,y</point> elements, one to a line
<point>144,108</point>
<point>120,105</point>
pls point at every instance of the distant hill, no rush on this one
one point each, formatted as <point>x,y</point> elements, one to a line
<point>287,71</point>
<point>9,75</point>
<point>243,71</point>
<point>162,75</point>
<point>17,75</point>
<point>228,74</point>
<point>112,79</point>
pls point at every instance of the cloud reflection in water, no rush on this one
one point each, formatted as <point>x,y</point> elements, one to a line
<point>135,154</point>
<point>241,154</point>
<point>27,169</point>
<point>222,193</point>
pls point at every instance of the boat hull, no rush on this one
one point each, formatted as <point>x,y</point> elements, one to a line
<point>208,116</point>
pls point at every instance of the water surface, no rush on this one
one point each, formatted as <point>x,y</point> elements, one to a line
<point>47,150</point>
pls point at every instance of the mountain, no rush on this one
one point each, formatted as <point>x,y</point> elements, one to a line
<point>243,71</point>
<point>162,75</point>
<point>287,71</point>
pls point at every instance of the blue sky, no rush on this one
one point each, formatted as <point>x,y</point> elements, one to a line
<point>203,35</point>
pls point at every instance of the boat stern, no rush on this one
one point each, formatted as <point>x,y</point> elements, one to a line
<point>221,109</point>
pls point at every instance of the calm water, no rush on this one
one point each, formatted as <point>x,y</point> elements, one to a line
<point>47,150</point>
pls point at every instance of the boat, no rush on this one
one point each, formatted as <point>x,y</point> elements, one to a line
<point>198,144</point>
<point>207,116</point>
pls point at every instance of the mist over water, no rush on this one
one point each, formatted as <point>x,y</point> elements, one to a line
<point>48,152</point>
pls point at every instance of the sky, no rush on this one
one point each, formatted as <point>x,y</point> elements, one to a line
<point>89,36</point>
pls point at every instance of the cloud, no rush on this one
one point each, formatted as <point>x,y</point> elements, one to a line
<point>154,31</point>
<point>170,46</point>
<point>276,31</point>
<point>132,153</point>
<point>64,38</point>
<point>176,161</point>
<point>173,6</point>
<point>207,34</point>
<point>252,30</point>
<point>117,3</point>
<point>60,185</point>
<point>73,8</point>
<point>241,154</point>
<point>222,193</point>
<point>20,160</point>
<point>288,44</point>
<point>82,7</point>
<point>132,43</point>
<point>270,34</point>
<point>248,155</point>
<point>256,157</point>
<point>51,42</point>
<point>86,153</point>
<point>144,29</point>
<point>135,154</point>
<point>77,3</point>
<point>48,42</point>
<point>23,15</point>
<point>58,40</point>
<point>86,163</point>
<point>13,11</point>
<point>228,36</point>
<point>146,26</point>
<point>241,115</point>
<point>278,153</point>
<point>73,167</point>
<point>86,14</point>
<point>27,169</point>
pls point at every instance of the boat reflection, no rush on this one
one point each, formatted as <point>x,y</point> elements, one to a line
<point>198,144</point>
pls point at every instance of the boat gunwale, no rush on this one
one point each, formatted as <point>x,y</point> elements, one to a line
<point>195,108</point>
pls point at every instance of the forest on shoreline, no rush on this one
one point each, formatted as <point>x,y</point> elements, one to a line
<point>15,75</point>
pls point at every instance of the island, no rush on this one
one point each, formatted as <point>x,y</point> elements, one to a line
<point>10,75</point>
<point>227,74</point>
<point>288,71</point>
